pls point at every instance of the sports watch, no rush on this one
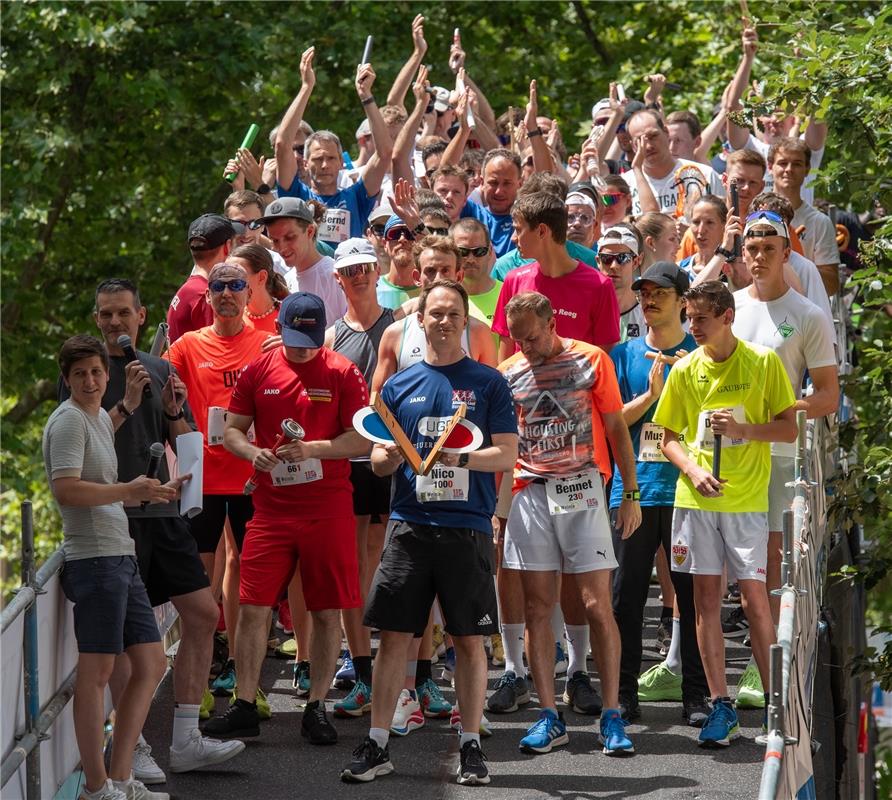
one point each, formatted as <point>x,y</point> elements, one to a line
<point>632,494</point>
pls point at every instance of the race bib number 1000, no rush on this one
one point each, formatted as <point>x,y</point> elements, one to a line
<point>442,484</point>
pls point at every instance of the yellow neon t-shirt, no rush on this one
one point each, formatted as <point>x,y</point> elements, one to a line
<point>755,385</point>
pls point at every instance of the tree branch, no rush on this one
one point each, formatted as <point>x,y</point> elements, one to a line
<point>594,41</point>
<point>39,393</point>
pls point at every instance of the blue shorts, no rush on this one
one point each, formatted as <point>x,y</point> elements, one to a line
<point>111,607</point>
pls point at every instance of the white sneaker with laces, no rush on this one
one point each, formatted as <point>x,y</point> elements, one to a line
<point>145,768</point>
<point>107,792</point>
<point>136,790</point>
<point>201,751</point>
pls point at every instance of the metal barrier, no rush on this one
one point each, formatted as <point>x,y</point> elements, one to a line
<point>37,720</point>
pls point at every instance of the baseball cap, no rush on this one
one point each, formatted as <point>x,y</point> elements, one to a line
<point>765,218</point>
<point>354,251</point>
<point>601,108</point>
<point>394,222</point>
<point>302,320</point>
<point>441,99</point>
<point>578,198</point>
<point>364,129</point>
<point>583,187</point>
<point>381,212</point>
<point>288,208</point>
<point>631,107</point>
<point>621,236</point>
<point>666,274</point>
<point>211,231</point>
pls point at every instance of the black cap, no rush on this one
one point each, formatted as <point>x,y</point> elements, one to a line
<point>288,208</point>
<point>211,231</point>
<point>584,187</point>
<point>666,274</point>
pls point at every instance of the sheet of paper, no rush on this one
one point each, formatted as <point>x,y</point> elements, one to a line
<point>190,458</point>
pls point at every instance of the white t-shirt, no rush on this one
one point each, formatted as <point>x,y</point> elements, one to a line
<point>808,273</point>
<point>320,280</point>
<point>817,156</point>
<point>665,189</point>
<point>795,328</point>
<point>288,273</point>
<point>819,237</point>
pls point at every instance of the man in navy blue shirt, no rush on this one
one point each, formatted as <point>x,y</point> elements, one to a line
<point>641,367</point>
<point>348,209</point>
<point>439,539</point>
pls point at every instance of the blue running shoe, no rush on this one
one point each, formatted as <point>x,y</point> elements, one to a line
<point>613,734</point>
<point>449,665</point>
<point>546,732</point>
<point>432,701</point>
<point>721,726</point>
<point>561,662</point>
<point>224,683</point>
<point>356,703</point>
<point>345,677</point>
<point>301,679</point>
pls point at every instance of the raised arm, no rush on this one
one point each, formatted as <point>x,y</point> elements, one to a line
<point>542,161</point>
<point>286,161</point>
<point>397,94</point>
<point>646,198</point>
<point>404,147</point>
<point>711,132</point>
<point>737,135</point>
<point>654,94</point>
<point>379,163</point>
<point>453,152</point>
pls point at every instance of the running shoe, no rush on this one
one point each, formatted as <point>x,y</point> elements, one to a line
<point>659,683</point>
<point>207,707</point>
<point>224,683</point>
<point>560,659</point>
<point>750,693</point>
<point>315,725</point>
<point>449,665</point>
<point>721,726</point>
<point>432,701</point>
<point>735,624</point>
<point>287,649</point>
<point>284,623</point>
<point>497,656</point>
<point>695,710</point>
<point>264,712</point>
<point>108,791</point>
<point>145,768</point>
<point>356,703</point>
<point>455,723</point>
<point>545,733</point>
<point>613,734</point>
<point>240,720</point>
<point>369,761</point>
<point>301,678</point>
<point>581,696</point>
<point>472,769</point>
<point>136,790</point>
<point>511,692</point>
<point>407,716</point>
<point>733,595</point>
<point>345,677</point>
<point>201,751</point>
<point>629,707</point>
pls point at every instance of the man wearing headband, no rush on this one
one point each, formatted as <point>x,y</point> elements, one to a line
<point>771,314</point>
<point>582,219</point>
<point>619,258</point>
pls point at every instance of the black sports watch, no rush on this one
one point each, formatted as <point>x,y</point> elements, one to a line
<point>632,494</point>
<point>727,254</point>
<point>419,229</point>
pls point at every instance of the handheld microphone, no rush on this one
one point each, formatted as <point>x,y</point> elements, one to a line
<point>125,343</point>
<point>156,453</point>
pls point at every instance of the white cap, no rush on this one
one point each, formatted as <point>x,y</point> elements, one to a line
<point>621,236</point>
<point>441,99</point>
<point>600,108</point>
<point>363,130</point>
<point>580,199</point>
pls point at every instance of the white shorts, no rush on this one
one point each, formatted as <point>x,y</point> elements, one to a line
<point>503,501</point>
<point>537,541</point>
<point>780,496</point>
<point>703,541</point>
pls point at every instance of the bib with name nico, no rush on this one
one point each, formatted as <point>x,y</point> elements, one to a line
<point>443,484</point>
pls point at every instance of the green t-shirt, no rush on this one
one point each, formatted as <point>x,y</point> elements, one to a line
<point>392,296</point>
<point>752,382</point>
<point>483,306</point>
<point>504,264</point>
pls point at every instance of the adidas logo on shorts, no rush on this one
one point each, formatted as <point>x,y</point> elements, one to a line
<point>484,620</point>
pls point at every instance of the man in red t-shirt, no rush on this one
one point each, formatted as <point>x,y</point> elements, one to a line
<point>209,242</point>
<point>303,507</point>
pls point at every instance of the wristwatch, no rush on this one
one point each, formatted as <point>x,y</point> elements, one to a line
<point>728,254</point>
<point>122,409</point>
<point>263,189</point>
<point>176,417</point>
<point>632,494</point>
<point>463,459</point>
<point>419,229</point>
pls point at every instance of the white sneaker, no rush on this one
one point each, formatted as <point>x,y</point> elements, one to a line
<point>107,792</point>
<point>145,768</point>
<point>408,715</point>
<point>136,790</point>
<point>200,751</point>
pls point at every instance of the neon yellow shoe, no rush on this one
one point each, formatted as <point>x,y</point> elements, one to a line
<point>264,712</point>
<point>659,683</point>
<point>750,693</point>
<point>208,704</point>
<point>288,649</point>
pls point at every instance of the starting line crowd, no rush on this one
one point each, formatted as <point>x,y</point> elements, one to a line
<point>601,320</point>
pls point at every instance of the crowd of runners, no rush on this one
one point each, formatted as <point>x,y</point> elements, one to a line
<point>608,324</point>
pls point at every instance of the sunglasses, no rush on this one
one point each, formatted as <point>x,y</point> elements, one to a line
<point>620,258</point>
<point>395,234</point>
<point>437,231</point>
<point>250,224</point>
<point>235,285</point>
<point>378,230</point>
<point>772,215</point>
<point>355,270</point>
<point>611,199</point>
<point>582,219</point>
<point>477,252</point>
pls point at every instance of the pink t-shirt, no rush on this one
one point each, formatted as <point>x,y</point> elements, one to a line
<point>584,302</point>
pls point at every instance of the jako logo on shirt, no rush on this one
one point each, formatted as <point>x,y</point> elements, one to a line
<point>420,399</point>
<point>466,396</point>
<point>270,391</point>
<point>205,364</point>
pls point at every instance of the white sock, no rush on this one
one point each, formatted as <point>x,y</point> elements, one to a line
<point>577,648</point>
<point>379,736</point>
<point>673,657</point>
<point>469,737</point>
<point>557,623</point>
<point>185,720</point>
<point>512,640</point>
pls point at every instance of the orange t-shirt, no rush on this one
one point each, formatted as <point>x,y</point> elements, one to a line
<point>559,408</point>
<point>209,365</point>
<point>266,323</point>
<point>689,245</point>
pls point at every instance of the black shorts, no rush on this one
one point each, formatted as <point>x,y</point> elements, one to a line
<point>420,562</point>
<point>167,557</point>
<point>207,527</point>
<point>371,493</point>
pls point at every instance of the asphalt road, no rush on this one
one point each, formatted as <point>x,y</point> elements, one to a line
<point>667,764</point>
